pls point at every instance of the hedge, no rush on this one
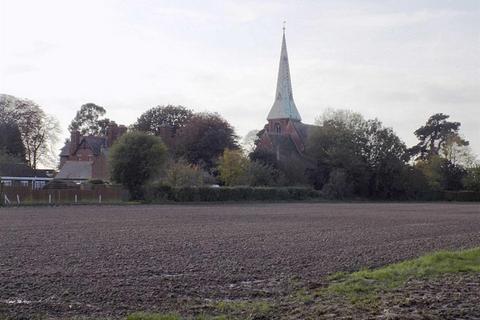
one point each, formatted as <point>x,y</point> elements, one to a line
<point>161,193</point>
<point>461,195</point>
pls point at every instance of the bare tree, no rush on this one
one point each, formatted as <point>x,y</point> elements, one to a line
<point>38,130</point>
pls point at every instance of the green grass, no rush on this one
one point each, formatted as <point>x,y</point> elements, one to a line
<point>226,308</point>
<point>251,308</point>
<point>363,286</point>
<point>170,316</point>
<point>153,316</point>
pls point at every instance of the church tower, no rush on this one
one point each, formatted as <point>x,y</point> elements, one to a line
<point>283,109</point>
<point>284,135</point>
<point>284,106</point>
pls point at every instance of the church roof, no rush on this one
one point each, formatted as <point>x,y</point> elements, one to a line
<point>304,130</point>
<point>284,106</point>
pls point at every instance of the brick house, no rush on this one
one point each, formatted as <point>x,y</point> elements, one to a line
<point>86,157</point>
<point>285,135</point>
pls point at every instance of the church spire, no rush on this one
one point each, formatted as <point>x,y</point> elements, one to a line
<point>284,106</point>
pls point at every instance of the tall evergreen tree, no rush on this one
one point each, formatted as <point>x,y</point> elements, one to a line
<point>435,134</point>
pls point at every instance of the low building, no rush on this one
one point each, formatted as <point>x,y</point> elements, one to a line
<point>21,175</point>
<point>85,158</point>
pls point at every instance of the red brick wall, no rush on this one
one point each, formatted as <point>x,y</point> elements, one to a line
<point>100,168</point>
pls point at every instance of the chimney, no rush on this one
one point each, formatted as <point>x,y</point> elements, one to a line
<point>111,133</point>
<point>74,141</point>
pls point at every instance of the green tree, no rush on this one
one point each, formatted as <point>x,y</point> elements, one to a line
<point>264,175</point>
<point>233,167</point>
<point>164,121</point>
<point>435,134</point>
<point>264,156</point>
<point>472,179</point>
<point>386,157</point>
<point>358,153</point>
<point>337,186</point>
<point>157,119</point>
<point>6,158</point>
<point>90,120</point>
<point>135,159</point>
<point>337,144</point>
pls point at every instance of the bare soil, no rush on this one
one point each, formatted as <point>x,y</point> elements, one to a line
<point>109,261</point>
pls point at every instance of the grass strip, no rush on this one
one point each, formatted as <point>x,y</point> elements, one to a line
<point>366,284</point>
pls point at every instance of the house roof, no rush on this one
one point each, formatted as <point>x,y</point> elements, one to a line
<point>22,170</point>
<point>65,151</point>
<point>75,170</point>
<point>95,143</point>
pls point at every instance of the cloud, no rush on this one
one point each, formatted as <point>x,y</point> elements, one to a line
<point>16,69</point>
<point>393,19</point>
<point>395,60</point>
<point>453,94</point>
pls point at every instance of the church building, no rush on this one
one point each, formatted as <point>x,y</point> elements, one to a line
<point>285,135</point>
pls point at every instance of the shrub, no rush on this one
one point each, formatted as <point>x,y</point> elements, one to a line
<point>161,193</point>
<point>182,174</point>
<point>461,196</point>
<point>337,186</point>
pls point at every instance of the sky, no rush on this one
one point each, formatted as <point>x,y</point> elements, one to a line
<point>398,61</point>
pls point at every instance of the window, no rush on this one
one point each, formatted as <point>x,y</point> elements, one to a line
<point>39,185</point>
<point>278,128</point>
<point>24,183</point>
<point>7,183</point>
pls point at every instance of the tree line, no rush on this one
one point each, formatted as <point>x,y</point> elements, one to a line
<point>348,155</point>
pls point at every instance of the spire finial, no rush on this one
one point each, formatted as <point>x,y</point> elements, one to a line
<point>284,23</point>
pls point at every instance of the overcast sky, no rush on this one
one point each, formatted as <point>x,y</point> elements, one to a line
<point>398,61</point>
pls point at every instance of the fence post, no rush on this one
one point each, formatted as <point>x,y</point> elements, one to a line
<point>7,201</point>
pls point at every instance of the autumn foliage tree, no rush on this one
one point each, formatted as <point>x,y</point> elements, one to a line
<point>233,167</point>
<point>204,138</point>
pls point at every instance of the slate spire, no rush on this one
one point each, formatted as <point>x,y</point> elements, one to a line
<point>284,106</point>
